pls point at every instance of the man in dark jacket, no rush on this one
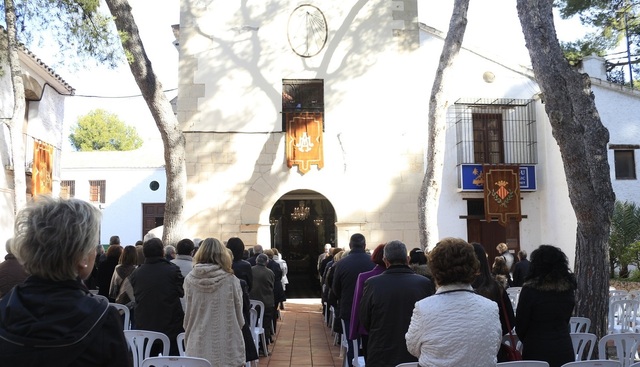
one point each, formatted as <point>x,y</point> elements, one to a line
<point>387,305</point>
<point>157,288</point>
<point>345,277</point>
<point>520,269</point>
<point>11,271</point>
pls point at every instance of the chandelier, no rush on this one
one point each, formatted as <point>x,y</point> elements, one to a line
<point>300,212</point>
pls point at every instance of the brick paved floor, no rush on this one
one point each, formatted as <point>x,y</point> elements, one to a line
<point>302,338</point>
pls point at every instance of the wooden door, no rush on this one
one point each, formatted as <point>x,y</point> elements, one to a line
<point>152,217</point>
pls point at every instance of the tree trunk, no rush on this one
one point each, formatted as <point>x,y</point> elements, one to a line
<point>160,107</point>
<point>19,106</point>
<point>438,103</point>
<point>582,140</point>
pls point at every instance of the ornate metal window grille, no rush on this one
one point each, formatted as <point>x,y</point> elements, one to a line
<point>513,142</point>
<point>301,95</point>
<point>97,191</point>
<point>67,189</point>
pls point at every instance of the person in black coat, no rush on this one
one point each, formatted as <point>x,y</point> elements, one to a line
<point>521,269</point>
<point>387,306</point>
<point>241,268</point>
<point>345,277</point>
<point>52,319</point>
<point>545,308</point>
<point>157,288</point>
<point>106,269</point>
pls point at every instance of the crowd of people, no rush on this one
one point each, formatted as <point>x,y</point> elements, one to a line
<point>447,307</point>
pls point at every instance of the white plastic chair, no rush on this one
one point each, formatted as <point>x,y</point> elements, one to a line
<point>622,316</point>
<point>626,346</point>
<point>583,342</point>
<point>140,342</point>
<point>408,364</point>
<point>506,339</point>
<point>175,362</point>
<point>257,328</point>
<point>593,363</point>
<point>637,364</point>
<point>524,364</point>
<point>181,345</point>
<point>579,324</point>
<point>125,313</point>
<point>357,361</point>
<point>618,292</point>
<point>514,296</point>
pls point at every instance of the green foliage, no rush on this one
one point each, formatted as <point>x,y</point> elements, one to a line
<point>624,239</point>
<point>101,130</point>
<point>80,32</point>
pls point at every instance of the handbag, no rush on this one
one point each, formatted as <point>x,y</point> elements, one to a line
<point>509,351</point>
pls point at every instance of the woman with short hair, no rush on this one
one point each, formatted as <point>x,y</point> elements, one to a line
<point>213,317</point>
<point>52,319</point>
<point>456,326</point>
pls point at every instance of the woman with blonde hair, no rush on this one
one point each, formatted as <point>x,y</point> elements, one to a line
<point>213,317</point>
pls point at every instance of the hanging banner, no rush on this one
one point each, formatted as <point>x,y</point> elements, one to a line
<point>502,193</point>
<point>304,140</point>
<point>42,170</point>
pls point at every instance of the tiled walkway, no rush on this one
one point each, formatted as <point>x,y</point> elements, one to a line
<point>302,338</point>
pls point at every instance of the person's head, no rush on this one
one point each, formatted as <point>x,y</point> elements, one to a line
<point>114,252</point>
<point>211,251</point>
<point>56,238</point>
<point>185,247</point>
<point>395,253</point>
<point>453,261</point>
<point>339,255</point>
<point>275,251</point>
<point>548,263</point>
<point>170,252</point>
<point>139,243</point>
<point>378,255</point>
<point>99,250</point>
<point>417,256</point>
<point>502,247</point>
<point>336,250</point>
<point>500,266</point>
<point>357,241</point>
<point>140,251</point>
<point>153,248</point>
<point>327,247</point>
<point>114,240</point>
<point>129,256</point>
<point>522,255</point>
<point>484,277</point>
<point>262,259</point>
<point>236,246</point>
<point>257,249</point>
<point>269,253</point>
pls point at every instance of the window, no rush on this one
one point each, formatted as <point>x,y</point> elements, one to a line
<point>97,190</point>
<point>301,95</point>
<point>67,189</point>
<point>495,131</point>
<point>625,164</point>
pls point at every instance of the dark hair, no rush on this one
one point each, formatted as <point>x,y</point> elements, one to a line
<point>153,248</point>
<point>114,251</point>
<point>378,255</point>
<point>453,260</point>
<point>417,256</point>
<point>357,240</point>
<point>500,266</point>
<point>484,283</point>
<point>185,247</point>
<point>236,246</point>
<point>139,243</point>
<point>129,256</point>
<point>114,240</point>
<point>549,263</point>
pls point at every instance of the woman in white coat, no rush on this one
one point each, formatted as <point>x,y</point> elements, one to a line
<point>213,317</point>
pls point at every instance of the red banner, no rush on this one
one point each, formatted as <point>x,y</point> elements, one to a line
<point>304,140</point>
<point>42,170</point>
<point>502,193</point>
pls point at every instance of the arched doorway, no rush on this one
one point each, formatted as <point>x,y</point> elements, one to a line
<point>302,222</point>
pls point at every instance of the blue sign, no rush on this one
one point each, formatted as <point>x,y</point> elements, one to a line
<point>473,180</point>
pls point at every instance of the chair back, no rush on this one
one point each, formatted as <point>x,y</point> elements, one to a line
<point>253,323</point>
<point>141,341</point>
<point>583,342</point>
<point>408,364</point>
<point>626,347</point>
<point>259,307</point>
<point>257,328</point>
<point>622,315</point>
<point>618,292</point>
<point>181,345</point>
<point>514,296</point>
<point>125,313</point>
<point>633,294</point>
<point>524,364</point>
<point>593,363</point>
<point>175,362</point>
<point>579,324</point>
<point>506,339</point>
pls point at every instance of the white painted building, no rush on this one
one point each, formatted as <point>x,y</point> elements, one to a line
<point>357,77</point>
<point>45,93</point>
<point>129,187</point>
